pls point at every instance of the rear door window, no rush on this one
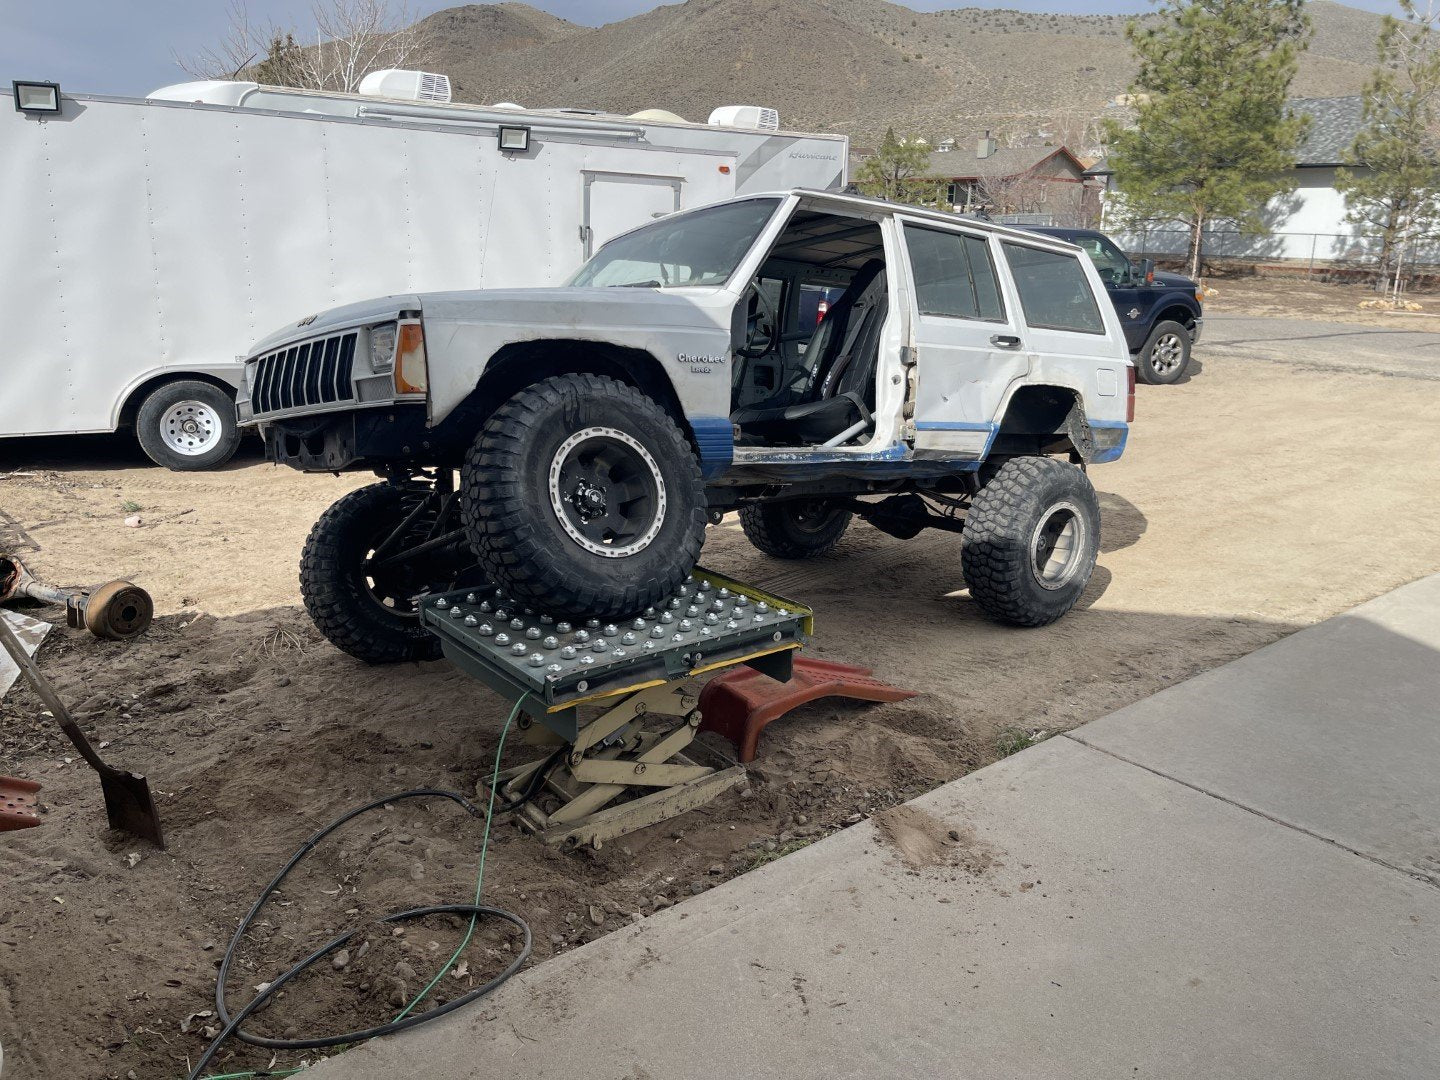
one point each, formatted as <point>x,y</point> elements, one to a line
<point>1054,292</point>
<point>953,275</point>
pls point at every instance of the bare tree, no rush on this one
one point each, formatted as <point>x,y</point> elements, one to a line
<point>351,39</point>
<point>356,37</point>
<point>1023,193</point>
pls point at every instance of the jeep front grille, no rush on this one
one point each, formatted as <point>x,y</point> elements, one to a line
<point>311,373</point>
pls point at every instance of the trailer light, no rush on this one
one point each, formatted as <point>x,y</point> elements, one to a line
<point>515,139</point>
<point>37,98</point>
<point>382,348</point>
<point>411,376</point>
<point>1130,394</point>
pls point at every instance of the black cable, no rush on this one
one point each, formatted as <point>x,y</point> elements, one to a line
<point>232,1024</point>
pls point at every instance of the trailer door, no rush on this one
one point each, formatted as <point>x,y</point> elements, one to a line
<point>617,202</point>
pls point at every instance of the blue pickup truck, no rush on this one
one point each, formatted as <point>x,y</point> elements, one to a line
<point>1160,312</point>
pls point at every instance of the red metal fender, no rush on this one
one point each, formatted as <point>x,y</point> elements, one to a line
<point>17,803</point>
<point>739,703</point>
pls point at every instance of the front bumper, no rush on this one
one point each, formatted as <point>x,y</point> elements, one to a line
<point>363,438</point>
<point>1195,331</point>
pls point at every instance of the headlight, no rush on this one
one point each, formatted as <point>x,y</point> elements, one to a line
<point>411,374</point>
<point>382,348</point>
<point>250,366</point>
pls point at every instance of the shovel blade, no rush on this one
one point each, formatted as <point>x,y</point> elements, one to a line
<point>130,806</point>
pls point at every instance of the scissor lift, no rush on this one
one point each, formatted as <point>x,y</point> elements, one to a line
<point>612,700</point>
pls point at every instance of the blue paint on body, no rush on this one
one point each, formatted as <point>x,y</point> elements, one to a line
<point>1113,451</point>
<point>715,438</point>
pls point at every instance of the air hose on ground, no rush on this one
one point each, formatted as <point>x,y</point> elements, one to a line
<point>404,1020</point>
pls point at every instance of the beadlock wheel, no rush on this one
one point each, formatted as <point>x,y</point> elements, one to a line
<point>607,492</point>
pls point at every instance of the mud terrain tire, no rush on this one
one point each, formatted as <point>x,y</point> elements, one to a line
<point>582,497</point>
<point>341,600</point>
<point>794,529</point>
<point>1030,541</point>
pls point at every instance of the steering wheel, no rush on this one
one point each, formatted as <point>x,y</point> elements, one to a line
<point>759,338</point>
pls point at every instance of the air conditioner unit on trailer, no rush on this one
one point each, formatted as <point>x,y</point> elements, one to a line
<point>409,85</point>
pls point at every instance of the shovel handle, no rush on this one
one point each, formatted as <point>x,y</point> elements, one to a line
<point>50,698</point>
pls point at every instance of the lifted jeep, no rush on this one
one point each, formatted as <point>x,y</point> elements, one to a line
<point>958,375</point>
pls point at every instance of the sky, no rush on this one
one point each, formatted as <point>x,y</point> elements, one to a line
<point>128,46</point>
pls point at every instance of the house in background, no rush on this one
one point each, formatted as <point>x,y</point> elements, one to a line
<point>1034,185</point>
<point>1307,225</point>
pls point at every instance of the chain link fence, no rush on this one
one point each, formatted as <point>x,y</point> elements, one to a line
<point>1315,251</point>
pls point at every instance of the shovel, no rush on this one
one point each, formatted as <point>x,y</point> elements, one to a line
<point>128,802</point>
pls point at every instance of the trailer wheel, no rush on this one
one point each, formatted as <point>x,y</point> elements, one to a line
<point>1166,355</point>
<point>362,598</point>
<point>794,529</point>
<point>188,425</point>
<point>1030,541</point>
<point>582,497</point>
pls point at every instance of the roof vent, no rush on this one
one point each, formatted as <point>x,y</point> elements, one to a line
<point>745,116</point>
<point>407,85</point>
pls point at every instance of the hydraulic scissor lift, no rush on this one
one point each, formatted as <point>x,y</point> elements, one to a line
<point>612,700</point>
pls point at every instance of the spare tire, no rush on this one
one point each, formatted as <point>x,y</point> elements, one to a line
<point>582,497</point>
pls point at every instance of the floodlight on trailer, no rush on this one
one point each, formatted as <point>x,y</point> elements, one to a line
<point>514,139</point>
<point>37,98</point>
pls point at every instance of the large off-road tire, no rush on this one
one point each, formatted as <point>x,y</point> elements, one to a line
<point>1030,541</point>
<point>1166,355</point>
<point>794,529</point>
<point>365,612</point>
<point>582,497</point>
<point>188,425</point>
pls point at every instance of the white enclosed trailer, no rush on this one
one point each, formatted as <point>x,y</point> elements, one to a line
<point>146,243</point>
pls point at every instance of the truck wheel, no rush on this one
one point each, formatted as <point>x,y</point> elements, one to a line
<point>582,497</point>
<point>794,529</point>
<point>188,425</point>
<point>362,609</point>
<point>1165,356</point>
<point>1030,541</point>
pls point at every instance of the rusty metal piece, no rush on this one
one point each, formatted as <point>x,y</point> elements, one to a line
<point>739,703</point>
<point>128,802</point>
<point>114,611</point>
<point>17,803</point>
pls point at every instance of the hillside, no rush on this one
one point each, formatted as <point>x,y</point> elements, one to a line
<point>855,66</point>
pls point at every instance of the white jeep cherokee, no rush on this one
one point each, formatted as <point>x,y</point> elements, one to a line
<point>802,357</point>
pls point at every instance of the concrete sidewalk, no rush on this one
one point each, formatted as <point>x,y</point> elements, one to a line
<point>1239,877</point>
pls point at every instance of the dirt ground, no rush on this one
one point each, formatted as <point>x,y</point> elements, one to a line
<point>1243,510</point>
<point>1294,295</point>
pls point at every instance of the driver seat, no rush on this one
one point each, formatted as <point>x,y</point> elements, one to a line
<point>847,344</point>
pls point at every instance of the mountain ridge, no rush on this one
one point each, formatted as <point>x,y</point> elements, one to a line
<point>852,66</point>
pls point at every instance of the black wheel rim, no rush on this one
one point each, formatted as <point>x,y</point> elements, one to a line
<point>607,492</point>
<point>812,515</point>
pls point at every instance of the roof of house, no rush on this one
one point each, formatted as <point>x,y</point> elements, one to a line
<point>1334,123</point>
<point>962,164</point>
<point>1004,161</point>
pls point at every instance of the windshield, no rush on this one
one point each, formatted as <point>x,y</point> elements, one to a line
<point>1114,267</point>
<point>700,248</point>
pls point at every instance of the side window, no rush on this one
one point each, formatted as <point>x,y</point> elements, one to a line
<point>1054,291</point>
<point>953,275</point>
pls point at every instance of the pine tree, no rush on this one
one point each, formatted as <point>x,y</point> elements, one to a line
<point>1212,140</point>
<point>898,171</point>
<point>1393,192</point>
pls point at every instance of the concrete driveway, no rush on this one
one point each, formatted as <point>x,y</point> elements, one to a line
<point>1328,346</point>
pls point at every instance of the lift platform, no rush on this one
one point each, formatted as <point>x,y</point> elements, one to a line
<point>612,700</point>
